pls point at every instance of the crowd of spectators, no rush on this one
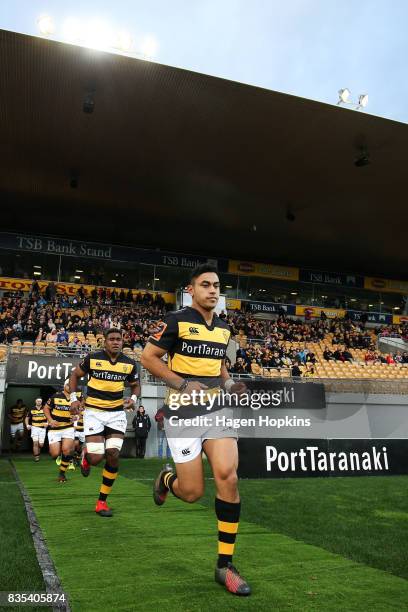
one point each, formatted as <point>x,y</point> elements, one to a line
<point>267,343</point>
<point>58,319</point>
<point>394,331</point>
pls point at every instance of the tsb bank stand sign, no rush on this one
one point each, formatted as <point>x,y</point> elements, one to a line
<point>39,369</point>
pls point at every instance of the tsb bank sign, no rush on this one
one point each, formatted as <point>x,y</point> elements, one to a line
<point>63,247</point>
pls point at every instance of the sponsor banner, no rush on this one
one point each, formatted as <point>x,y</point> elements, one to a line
<point>76,248</point>
<point>315,311</point>
<point>233,304</point>
<point>61,246</point>
<point>161,258</point>
<point>289,309</point>
<point>331,278</point>
<point>370,317</point>
<point>39,369</point>
<point>284,458</point>
<point>71,289</point>
<point>263,269</point>
<point>294,395</point>
<point>398,319</point>
<point>386,286</point>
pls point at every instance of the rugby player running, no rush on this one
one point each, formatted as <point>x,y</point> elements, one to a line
<point>186,336</point>
<point>104,415</point>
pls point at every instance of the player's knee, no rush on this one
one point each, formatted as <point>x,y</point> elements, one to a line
<point>93,459</point>
<point>112,454</point>
<point>227,477</point>
<point>192,495</point>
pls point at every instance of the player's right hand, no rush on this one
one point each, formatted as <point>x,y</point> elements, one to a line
<point>75,407</point>
<point>53,423</point>
<point>194,386</point>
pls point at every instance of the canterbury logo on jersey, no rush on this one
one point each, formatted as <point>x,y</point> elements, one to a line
<point>193,330</point>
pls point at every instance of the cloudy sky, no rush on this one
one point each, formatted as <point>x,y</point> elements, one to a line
<point>308,48</point>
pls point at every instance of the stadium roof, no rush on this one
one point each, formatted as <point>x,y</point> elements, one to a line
<point>178,160</point>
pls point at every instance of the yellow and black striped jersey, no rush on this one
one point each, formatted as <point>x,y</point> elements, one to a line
<point>59,406</point>
<point>17,413</point>
<point>195,349</point>
<point>37,418</point>
<point>106,379</point>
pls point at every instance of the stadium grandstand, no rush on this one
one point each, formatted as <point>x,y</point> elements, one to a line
<point>118,178</point>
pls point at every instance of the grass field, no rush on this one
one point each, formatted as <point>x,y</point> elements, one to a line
<point>304,544</point>
<point>19,570</point>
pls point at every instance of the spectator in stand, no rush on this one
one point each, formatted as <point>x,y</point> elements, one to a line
<point>35,289</point>
<point>41,336</point>
<point>338,355</point>
<point>50,292</point>
<point>296,371</point>
<point>51,337</point>
<point>310,371</point>
<point>301,356</point>
<point>62,336</point>
<point>347,355</point>
<point>311,358</point>
<point>370,357</point>
<point>328,355</point>
<point>240,367</point>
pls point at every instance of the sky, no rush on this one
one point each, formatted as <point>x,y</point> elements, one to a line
<point>307,48</point>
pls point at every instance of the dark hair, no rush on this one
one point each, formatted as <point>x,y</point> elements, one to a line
<point>202,269</point>
<point>112,330</point>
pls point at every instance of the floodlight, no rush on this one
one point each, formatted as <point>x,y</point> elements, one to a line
<point>46,25</point>
<point>149,46</point>
<point>73,30</point>
<point>98,36</point>
<point>124,41</point>
<point>363,100</point>
<point>344,95</point>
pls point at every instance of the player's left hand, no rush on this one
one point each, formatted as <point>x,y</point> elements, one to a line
<point>129,404</point>
<point>239,388</point>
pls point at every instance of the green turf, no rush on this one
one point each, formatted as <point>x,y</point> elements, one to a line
<point>364,519</point>
<point>19,569</point>
<point>148,558</point>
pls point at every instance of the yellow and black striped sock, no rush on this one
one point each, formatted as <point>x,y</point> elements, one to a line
<point>168,480</point>
<point>108,478</point>
<point>228,521</point>
<point>65,459</point>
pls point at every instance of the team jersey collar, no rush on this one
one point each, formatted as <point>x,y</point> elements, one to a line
<point>200,316</point>
<point>109,359</point>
